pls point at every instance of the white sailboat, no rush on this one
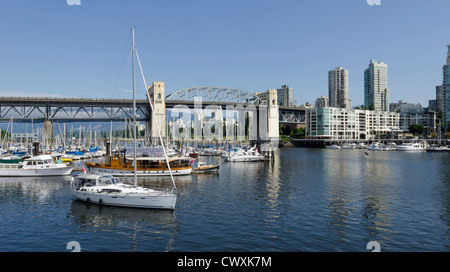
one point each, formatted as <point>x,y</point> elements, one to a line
<point>108,190</point>
<point>439,147</point>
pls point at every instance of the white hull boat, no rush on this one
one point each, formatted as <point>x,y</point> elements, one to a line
<point>108,190</point>
<point>36,166</point>
<point>241,155</point>
<point>438,149</point>
<point>412,147</point>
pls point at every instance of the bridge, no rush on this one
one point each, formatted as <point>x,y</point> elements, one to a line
<point>47,110</point>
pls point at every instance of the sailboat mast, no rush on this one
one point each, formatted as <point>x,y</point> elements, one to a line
<point>134,111</point>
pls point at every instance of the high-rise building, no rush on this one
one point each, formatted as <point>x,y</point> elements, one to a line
<point>440,99</point>
<point>286,96</point>
<point>338,88</point>
<point>376,91</point>
<point>446,86</point>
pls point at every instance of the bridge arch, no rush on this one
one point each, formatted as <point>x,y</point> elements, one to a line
<point>214,94</point>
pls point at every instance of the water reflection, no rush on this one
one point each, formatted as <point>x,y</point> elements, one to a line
<point>359,193</point>
<point>137,226</point>
<point>36,189</point>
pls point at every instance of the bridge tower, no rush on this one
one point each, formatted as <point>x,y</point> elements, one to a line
<point>156,92</point>
<point>48,131</point>
<point>273,118</point>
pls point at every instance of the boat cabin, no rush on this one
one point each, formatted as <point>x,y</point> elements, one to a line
<point>90,180</point>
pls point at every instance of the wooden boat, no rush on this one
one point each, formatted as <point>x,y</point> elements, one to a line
<point>204,168</point>
<point>146,166</point>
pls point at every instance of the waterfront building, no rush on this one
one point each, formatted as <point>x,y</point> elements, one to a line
<point>353,124</point>
<point>349,124</point>
<point>23,137</point>
<point>376,91</point>
<point>338,88</point>
<point>446,87</point>
<point>322,102</point>
<point>428,120</point>
<point>286,96</point>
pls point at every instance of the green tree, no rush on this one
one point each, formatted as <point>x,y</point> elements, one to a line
<point>298,133</point>
<point>416,129</point>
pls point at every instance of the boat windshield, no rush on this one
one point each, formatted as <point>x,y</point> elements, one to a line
<point>108,180</point>
<point>86,182</point>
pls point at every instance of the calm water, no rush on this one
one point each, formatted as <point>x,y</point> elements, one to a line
<point>307,200</point>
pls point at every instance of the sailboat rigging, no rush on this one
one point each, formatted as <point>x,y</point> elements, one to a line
<point>109,190</point>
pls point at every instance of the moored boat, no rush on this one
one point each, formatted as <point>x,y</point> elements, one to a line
<point>438,148</point>
<point>204,168</point>
<point>109,190</point>
<point>35,166</point>
<point>411,147</point>
<point>146,166</point>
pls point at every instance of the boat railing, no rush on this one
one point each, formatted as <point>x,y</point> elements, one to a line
<point>10,166</point>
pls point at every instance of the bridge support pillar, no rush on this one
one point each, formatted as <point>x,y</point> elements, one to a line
<point>48,131</point>
<point>272,115</point>
<point>156,92</point>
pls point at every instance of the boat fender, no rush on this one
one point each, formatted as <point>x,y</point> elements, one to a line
<point>100,201</point>
<point>88,199</point>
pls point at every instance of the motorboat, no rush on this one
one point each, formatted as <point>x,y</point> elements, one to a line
<point>438,148</point>
<point>35,166</point>
<point>333,146</point>
<point>205,168</point>
<point>111,191</point>
<point>411,147</point>
<point>242,155</point>
<point>348,146</point>
<point>361,146</point>
<point>374,147</point>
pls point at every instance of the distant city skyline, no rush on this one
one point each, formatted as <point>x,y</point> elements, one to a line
<point>50,48</point>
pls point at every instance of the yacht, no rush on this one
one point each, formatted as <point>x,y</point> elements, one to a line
<point>202,167</point>
<point>245,156</point>
<point>109,190</point>
<point>411,147</point>
<point>332,147</point>
<point>35,166</point>
<point>438,148</point>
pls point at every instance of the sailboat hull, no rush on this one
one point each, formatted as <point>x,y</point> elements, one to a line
<point>157,201</point>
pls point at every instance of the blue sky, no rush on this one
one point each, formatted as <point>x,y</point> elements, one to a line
<point>48,48</point>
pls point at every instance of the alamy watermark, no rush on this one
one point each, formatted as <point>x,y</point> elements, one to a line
<point>235,123</point>
<point>73,2</point>
<point>373,2</point>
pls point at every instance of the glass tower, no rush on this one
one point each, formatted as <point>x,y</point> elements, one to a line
<point>446,87</point>
<point>376,91</point>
